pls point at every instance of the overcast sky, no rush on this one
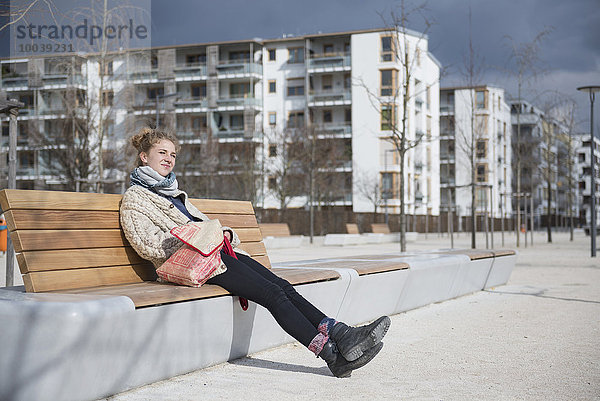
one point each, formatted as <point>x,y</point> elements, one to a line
<point>570,54</point>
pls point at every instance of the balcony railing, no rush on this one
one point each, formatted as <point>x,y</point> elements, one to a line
<point>190,70</point>
<point>330,96</point>
<point>446,108</point>
<point>329,61</point>
<point>192,102</point>
<point>15,81</point>
<point>148,74</point>
<point>335,129</point>
<point>238,67</point>
<point>235,101</point>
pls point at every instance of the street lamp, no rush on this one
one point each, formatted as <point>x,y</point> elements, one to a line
<point>162,97</point>
<point>591,90</point>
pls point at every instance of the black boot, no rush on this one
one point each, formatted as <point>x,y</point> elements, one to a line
<point>352,342</point>
<point>339,366</point>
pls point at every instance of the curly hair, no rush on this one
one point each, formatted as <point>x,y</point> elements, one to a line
<point>148,137</point>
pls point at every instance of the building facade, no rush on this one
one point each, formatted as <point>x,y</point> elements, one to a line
<point>475,150</point>
<point>257,117</point>
<point>584,176</point>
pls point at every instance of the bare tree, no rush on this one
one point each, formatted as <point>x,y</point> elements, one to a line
<point>524,66</point>
<point>406,52</point>
<point>367,186</point>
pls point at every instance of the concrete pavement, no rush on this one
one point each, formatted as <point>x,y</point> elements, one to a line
<point>537,338</point>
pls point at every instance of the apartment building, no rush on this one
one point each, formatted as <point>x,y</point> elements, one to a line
<point>254,115</point>
<point>475,149</point>
<point>584,176</point>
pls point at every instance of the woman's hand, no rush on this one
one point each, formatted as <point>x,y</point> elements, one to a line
<point>228,234</point>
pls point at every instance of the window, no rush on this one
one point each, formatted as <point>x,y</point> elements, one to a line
<point>199,123</point>
<point>272,54</point>
<point>107,98</point>
<point>481,149</point>
<point>296,55</point>
<point>327,82</point>
<point>388,116</point>
<point>272,150</point>
<point>239,89</point>
<point>481,99</point>
<point>198,91</point>
<point>296,119</point>
<point>108,68</point>
<point>427,97</point>
<point>388,81</point>
<point>272,86</point>
<point>387,182</point>
<point>327,116</point>
<point>241,55</point>
<point>236,121</point>
<point>328,49</point>
<point>27,100</point>
<point>195,59</point>
<point>153,61</point>
<point>348,115</point>
<point>418,57</point>
<point>347,47</point>
<point>155,92</point>
<point>347,81</point>
<point>481,172</point>
<point>295,87</point>
<point>272,183</point>
<point>272,118</point>
<point>387,48</point>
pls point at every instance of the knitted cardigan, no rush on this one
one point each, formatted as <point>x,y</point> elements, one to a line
<point>147,219</point>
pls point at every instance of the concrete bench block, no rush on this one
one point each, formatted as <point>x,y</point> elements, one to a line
<point>471,277</point>
<point>502,267</point>
<point>343,239</point>
<point>374,238</point>
<point>293,241</point>
<point>430,280</point>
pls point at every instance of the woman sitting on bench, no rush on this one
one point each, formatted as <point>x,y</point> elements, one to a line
<point>153,205</point>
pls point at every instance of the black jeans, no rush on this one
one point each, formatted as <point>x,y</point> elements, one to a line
<point>247,278</point>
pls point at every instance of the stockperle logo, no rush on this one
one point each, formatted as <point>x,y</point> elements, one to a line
<point>61,26</point>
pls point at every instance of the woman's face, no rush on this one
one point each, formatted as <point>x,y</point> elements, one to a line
<point>161,157</point>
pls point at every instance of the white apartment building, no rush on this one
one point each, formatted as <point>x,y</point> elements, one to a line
<point>234,105</point>
<point>585,178</point>
<point>475,125</point>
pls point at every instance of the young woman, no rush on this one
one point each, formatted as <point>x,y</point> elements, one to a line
<point>153,205</point>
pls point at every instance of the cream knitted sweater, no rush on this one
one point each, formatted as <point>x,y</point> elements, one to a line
<point>147,219</point>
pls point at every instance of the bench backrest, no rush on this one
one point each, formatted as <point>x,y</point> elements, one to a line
<point>68,240</point>
<point>380,228</point>
<point>352,228</point>
<point>274,229</point>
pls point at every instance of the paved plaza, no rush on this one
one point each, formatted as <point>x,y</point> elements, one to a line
<point>537,338</point>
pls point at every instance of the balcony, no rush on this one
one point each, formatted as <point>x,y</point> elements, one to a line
<point>238,102</point>
<point>238,68</point>
<point>15,81</point>
<point>329,98</point>
<point>191,103</point>
<point>62,79</point>
<point>343,130</point>
<point>447,108</point>
<point>329,62</point>
<point>144,76</point>
<point>192,71</point>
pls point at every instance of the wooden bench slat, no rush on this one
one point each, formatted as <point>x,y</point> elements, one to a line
<point>91,277</point>
<point>67,259</point>
<point>380,228</point>
<point>154,293</point>
<point>362,267</point>
<point>30,240</point>
<point>503,252</point>
<point>352,228</point>
<point>59,200</point>
<point>474,254</point>
<point>274,229</point>
<point>70,219</point>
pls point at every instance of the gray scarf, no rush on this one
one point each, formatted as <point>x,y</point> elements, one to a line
<point>148,178</point>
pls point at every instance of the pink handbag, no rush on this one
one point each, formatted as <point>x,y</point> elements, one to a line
<point>199,258</point>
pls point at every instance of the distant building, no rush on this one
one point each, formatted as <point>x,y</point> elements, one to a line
<point>240,108</point>
<point>585,177</point>
<point>475,130</point>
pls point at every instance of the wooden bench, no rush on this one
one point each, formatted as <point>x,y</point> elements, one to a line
<point>352,228</point>
<point>380,228</point>
<point>274,230</point>
<point>72,243</point>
